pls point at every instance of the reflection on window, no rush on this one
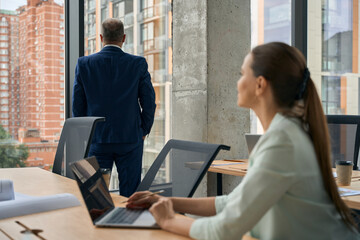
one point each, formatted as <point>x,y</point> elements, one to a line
<point>147,34</point>
<point>30,79</point>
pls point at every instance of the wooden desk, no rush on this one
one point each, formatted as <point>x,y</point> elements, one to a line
<point>68,223</point>
<point>234,168</point>
<point>353,201</point>
<point>231,168</point>
<point>239,168</point>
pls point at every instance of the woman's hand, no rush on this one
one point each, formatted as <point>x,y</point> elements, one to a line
<point>163,211</point>
<point>141,200</point>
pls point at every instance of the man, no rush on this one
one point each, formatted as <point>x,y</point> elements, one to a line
<point>117,86</point>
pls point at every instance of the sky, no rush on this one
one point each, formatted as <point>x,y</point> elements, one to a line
<point>14,4</point>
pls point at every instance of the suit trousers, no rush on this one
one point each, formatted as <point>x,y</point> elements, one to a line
<point>128,161</point>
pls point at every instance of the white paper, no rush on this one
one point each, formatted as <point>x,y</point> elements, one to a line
<point>348,192</point>
<point>24,204</point>
<point>335,174</point>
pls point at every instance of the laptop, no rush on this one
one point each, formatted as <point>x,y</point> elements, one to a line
<point>251,140</point>
<point>99,203</point>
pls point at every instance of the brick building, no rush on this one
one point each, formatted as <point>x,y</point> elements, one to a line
<point>41,31</point>
<point>9,71</point>
<point>41,79</point>
<point>32,77</point>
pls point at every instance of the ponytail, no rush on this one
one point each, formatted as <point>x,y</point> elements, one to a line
<point>319,133</point>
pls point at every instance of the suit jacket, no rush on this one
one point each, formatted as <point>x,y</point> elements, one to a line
<point>117,86</point>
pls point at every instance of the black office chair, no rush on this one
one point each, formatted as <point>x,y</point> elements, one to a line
<point>74,143</point>
<point>179,167</point>
<point>344,137</point>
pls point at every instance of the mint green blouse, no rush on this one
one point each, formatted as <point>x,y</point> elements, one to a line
<point>282,195</point>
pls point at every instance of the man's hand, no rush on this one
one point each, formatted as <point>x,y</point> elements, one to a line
<point>144,137</point>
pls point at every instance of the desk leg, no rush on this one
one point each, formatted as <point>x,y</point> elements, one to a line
<point>219,184</point>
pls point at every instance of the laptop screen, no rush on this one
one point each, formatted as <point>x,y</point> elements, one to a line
<point>92,186</point>
<point>251,140</point>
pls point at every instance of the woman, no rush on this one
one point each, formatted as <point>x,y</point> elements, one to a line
<point>289,191</point>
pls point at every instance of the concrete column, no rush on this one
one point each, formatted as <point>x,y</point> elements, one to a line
<point>210,40</point>
<point>189,88</point>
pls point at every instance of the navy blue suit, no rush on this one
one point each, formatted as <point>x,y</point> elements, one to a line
<point>117,86</point>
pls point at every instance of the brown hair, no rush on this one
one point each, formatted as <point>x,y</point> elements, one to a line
<point>112,30</point>
<point>285,69</point>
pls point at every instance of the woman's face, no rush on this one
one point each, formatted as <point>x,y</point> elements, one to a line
<point>246,85</point>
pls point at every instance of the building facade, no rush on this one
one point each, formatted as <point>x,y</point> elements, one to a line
<point>9,71</point>
<point>32,77</point>
<point>41,79</point>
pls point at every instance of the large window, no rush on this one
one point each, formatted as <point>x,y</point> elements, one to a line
<point>147,34</point>
<point>31,81</point>
<point>333,53</point>
<point>270,21</point>
<point>332,47</point>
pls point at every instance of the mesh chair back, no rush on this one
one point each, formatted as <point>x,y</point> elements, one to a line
<point>179,167</point>
<point>74,143</point>
<point>344,138</point>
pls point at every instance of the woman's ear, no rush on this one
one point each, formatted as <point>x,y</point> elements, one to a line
<point>261,86</point>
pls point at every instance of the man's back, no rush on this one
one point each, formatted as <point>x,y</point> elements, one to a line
<point>117,86</point>
<point>111,84</point>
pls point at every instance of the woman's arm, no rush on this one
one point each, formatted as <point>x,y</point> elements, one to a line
<point>265,183</point>
<point>195,206</point>
<point>163,212</point>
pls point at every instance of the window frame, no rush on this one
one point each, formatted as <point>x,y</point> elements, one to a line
<point>74,46</point>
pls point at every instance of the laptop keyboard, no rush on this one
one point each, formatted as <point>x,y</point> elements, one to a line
<point>123,215</point>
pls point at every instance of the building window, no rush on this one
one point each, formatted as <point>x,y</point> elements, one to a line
<point>119,10</point>
<point>4,52</point>
<point>104,14</point>
<point>4,65</point>
<point>90,4</point>
<point>4,73</point>
<point>270,21</point>
<point>147,7</point>
<point>147,36</point>
<point>92,46</point>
